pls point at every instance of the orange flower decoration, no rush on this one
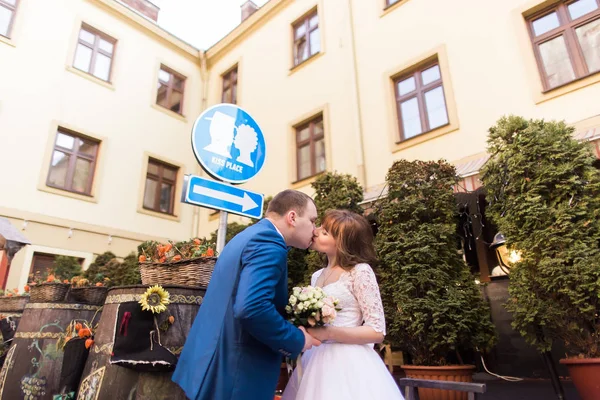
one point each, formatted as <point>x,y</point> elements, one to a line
<point>85,332</point>
<point>26,288</point>
<point>210,252</point>
<point>142,258</point>
<point>89,343</point>
<point>176,257</point>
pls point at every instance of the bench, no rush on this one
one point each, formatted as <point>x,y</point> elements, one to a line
<point>412,394</point>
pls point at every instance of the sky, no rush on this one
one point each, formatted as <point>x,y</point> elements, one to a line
<point>201,23</point>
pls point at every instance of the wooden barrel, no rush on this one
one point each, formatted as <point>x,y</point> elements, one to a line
<point>11,310</point>
<point>103,380</point>
<point>32,366</point>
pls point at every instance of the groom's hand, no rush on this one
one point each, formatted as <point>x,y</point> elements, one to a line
<point>309,341</point>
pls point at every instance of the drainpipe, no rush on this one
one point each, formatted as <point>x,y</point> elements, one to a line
<point>360,153</point>
<point>203,106</point>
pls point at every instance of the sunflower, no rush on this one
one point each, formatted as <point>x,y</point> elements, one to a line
<point>155,299</point>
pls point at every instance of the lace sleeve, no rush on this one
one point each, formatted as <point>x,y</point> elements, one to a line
<point>367,294</point>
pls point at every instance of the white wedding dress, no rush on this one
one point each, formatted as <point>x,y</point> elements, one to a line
<point>336,371</point>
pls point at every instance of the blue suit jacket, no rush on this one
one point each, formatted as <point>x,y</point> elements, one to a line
<point>236,343</point>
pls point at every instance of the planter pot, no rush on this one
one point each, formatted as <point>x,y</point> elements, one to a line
<point>585,373</point>
<point>452,373</point>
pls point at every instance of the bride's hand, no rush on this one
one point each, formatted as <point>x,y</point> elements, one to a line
<point>321,334</point>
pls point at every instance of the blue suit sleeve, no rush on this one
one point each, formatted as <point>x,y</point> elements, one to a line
<point>263,263</point>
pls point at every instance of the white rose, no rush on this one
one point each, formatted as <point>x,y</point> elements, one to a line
<point>296,291</point>
<point>306,304</point>
<point>319,304</point>
<point>293,300</point>
<point>300,306</point>
<point>302,297</point>
<point>288,309</point>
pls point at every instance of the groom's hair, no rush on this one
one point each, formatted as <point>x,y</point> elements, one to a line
<point>289,200</point>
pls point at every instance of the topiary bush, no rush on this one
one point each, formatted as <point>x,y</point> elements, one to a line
<point>432,304</point>
<point>545,198</point>
<point>66,267</point>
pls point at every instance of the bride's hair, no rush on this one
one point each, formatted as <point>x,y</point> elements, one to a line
<point>353,236</point>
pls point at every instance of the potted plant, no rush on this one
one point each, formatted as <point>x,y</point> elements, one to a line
<point>47,287</point>
<point>432,304</point>
<point>13,301</point>
<point>545,195</point>
<point>188,263</point>
<point>89,292</point>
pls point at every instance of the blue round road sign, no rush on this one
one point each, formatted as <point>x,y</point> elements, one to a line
<point>228,143</point>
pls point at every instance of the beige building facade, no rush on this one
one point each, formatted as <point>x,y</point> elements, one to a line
<point>336,85</point>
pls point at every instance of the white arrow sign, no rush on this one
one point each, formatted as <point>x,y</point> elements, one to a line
<point>246,202</point>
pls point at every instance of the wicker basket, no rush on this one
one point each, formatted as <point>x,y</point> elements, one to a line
<point>48,292</point>
<point>89,295</point>
<point>13,303</point>
<point>192,272</point>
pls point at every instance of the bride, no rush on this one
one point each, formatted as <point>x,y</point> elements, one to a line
<point>346,366</point>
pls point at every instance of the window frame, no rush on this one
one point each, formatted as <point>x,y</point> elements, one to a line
<point>98,34</point>
<point>74,155</point>
<point>305,20</point>
<point>171,87</point>
<point>419,93</point>
<point>311,143</point>
<point>230,81</point>
<point>11,23</point>
<point>160,179</point>
<point>566,29</point>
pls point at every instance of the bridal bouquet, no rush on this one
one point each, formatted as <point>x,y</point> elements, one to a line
<point>310,306</point>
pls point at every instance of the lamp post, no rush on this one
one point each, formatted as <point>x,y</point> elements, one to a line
<point>506,259</point>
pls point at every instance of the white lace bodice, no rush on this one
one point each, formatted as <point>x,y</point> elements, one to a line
<point>359,297</point>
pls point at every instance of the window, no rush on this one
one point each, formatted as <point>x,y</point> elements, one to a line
<point>170,89</point>
<point>73,163</point>
<point>159,193</point>
<point>8,9</point>
<point>420,101</point>
<point>41,263</point>
<point>307,38</point>
<point>566,41</point>
<point>94,53</point>
<point>310,148</point>
<point>230,87</point>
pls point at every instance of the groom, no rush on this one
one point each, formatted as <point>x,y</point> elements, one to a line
<point>234,348</point>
